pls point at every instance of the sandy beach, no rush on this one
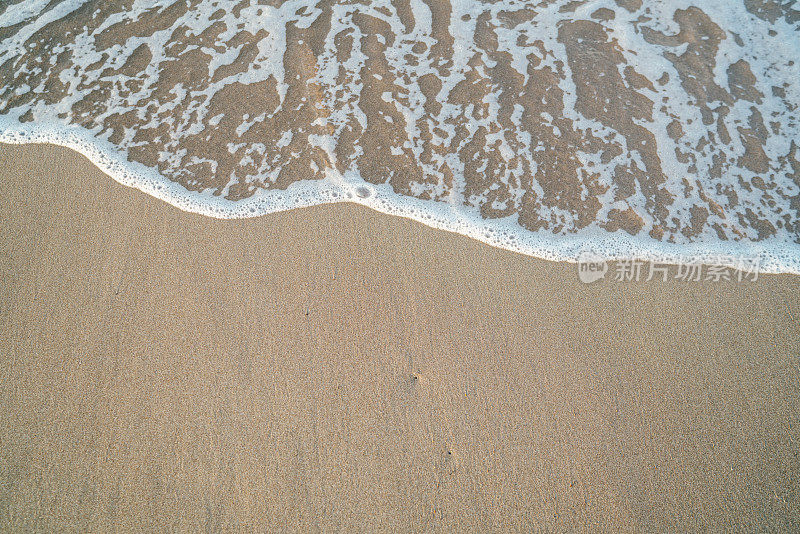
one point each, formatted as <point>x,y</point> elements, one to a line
<point>335,369</point>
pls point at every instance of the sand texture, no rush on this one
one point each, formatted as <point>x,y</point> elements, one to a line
<point>335,369</point>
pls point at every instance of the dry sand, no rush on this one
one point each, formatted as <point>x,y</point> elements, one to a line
<point>333,368</point>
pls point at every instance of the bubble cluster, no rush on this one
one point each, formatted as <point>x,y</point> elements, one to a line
<point>637,128</point>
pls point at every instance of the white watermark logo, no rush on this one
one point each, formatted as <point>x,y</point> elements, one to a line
<point>592,267</point>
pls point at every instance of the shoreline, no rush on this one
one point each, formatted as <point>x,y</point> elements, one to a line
<point>773,257</point>
<point>333,368</point>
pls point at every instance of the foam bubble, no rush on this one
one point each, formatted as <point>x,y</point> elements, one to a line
<point>547,128</point>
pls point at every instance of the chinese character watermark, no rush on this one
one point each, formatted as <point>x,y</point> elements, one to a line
<point>721,268</point>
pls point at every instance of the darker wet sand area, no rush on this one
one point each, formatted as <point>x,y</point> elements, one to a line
<point>675,122</point>
<point>336,369</point>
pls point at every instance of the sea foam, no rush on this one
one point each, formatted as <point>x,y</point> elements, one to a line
<point>631,129</point>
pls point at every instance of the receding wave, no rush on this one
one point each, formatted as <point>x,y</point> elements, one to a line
<point>634,127</point>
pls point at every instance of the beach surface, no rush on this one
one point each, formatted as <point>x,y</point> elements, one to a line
<point>336,369</point>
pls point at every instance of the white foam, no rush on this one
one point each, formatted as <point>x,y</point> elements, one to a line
<point>774,257</point>
<point>770,57</point>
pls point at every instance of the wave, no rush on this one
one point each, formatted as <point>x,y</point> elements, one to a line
<point>629,128</point>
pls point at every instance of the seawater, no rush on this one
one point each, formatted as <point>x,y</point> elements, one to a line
<point>629,128</point>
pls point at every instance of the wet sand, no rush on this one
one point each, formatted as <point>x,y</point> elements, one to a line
<point>663,119</point>
<point>333,368</point>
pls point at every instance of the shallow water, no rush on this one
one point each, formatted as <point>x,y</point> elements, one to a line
<point>631,127</point>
